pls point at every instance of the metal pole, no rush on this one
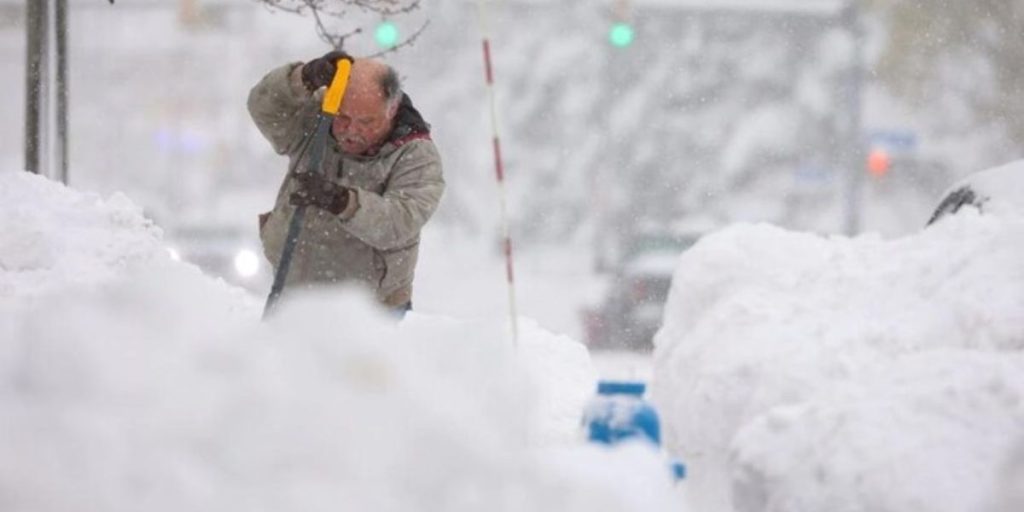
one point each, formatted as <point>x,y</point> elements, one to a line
<point>317,142</point>
<point>46,90</point>
<point>61,22</point>
<point>35,30</point>
<point>855,172</point>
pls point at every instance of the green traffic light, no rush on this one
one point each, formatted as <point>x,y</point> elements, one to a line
<point>386,34</point>
<point>621,35</point>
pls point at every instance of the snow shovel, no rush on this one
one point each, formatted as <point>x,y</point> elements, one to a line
<point>328,109</point>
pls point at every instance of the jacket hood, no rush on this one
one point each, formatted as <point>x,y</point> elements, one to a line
<point>408,121</point>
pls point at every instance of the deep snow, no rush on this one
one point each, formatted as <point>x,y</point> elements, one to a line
<point>797,372</point>
<point>794,372</point>
<point>129,381</point>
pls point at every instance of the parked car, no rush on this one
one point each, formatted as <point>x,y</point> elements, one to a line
<point>630,312</point>
<point>998,191</point>
<point>227,252</point>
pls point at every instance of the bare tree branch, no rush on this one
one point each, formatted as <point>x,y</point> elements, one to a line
<point>320,10</point>
<point>408,42</point>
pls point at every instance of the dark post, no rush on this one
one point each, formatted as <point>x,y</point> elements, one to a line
<point>35,30</point>
<point>61,21</point>
<point>855,173</point>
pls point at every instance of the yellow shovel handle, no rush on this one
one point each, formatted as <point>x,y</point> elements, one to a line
<point>332,99</point>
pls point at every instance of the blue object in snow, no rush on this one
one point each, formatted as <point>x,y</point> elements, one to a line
<point>619,412</point>
<point>678,470</point>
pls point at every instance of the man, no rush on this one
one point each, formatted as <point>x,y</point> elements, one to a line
<point>379,181</point>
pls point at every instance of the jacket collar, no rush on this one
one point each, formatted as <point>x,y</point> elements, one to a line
<point>408,121</point>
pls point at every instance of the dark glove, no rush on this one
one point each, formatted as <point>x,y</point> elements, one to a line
<point>315,190</point>
<point>320,72</point>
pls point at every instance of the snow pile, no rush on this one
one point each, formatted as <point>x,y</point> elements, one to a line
<point>556,362</point>
<point>796,372</point>
<point>555,374</point>
<point>927,431</point>
<point>136,383</point>
<point>54,239</point>
<point>51,236</point>
<point>1010,489</point>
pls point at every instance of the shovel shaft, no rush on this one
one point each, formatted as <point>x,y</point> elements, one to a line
<point>291,240</point>
<point>329,107</point>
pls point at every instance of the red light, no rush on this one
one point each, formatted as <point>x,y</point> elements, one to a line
<point>878,163</point>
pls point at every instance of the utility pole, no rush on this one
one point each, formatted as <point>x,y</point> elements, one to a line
<point>45,87</point>
<point>855,137</point>
<point>61,39</point>
<point>35,30</point>
<point>614,213</point>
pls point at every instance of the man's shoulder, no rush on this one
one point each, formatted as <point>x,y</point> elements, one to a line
<point>401,141</point>
<point>418,155</point>
<point>416,146</point>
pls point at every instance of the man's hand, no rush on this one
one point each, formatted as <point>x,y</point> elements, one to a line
<point>315,190</point>
<point>320,72</point>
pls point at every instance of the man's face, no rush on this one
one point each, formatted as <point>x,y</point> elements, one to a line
<point>363,122</point>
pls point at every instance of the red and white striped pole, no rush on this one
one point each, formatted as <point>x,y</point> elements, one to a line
<point>500,174</point>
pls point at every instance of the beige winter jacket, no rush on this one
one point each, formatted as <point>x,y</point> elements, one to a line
<point>375,240</point>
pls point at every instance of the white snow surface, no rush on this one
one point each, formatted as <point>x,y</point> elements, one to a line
<point>132,382</point>
<point>1000,189</point>
<point>796,372</point>
<point>68,238</point>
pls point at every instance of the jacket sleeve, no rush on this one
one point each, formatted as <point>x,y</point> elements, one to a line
<point>282,108</point>
<point>393,219</point>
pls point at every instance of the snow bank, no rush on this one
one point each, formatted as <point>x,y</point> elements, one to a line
<point>1010,488</point>
<point>131,382</point>
<point>927,431</point>
<point>51,236</point>
<point>796,372</point>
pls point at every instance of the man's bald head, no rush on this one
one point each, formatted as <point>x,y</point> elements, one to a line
<point>368,107</point>
<point>372,80</point>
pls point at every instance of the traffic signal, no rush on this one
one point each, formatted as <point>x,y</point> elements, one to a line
<point>386,34</point>
<point>621,34</point>
<point>879,162</point>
